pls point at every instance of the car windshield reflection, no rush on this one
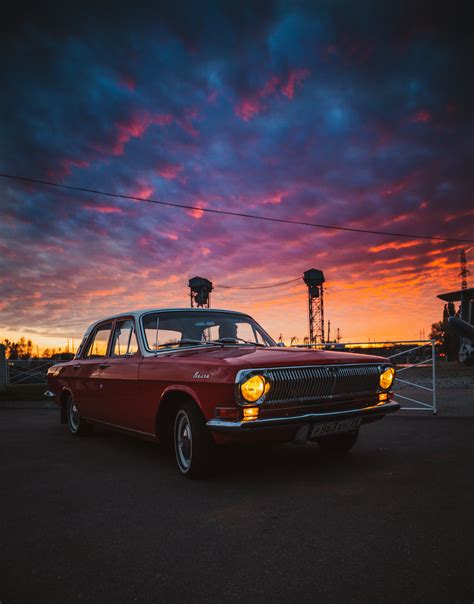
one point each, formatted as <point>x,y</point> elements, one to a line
<point>177,329</point>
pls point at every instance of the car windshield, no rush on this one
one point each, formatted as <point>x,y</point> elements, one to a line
<point>174,329</point>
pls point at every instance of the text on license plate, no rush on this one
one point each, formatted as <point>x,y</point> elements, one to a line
<point>346,425</point>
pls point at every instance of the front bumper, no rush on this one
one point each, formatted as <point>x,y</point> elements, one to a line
<point>222,425</point>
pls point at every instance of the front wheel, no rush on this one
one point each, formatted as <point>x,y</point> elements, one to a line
<point>77,426</point>
<point>339,444</point>
<point>193,444</point>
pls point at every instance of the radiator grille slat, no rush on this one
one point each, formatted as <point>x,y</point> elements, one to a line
<point>293,384</point>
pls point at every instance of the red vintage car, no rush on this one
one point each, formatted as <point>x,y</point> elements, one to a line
<point>198,378</point>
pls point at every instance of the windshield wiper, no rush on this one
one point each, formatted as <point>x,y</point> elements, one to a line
<point>202,342</point>
<point>235,341</point>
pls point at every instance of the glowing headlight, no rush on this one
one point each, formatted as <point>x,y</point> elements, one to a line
<point>386,378</point>
<point>254,388</point>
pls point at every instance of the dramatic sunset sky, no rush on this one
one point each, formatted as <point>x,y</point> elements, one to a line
<point>343,113</point>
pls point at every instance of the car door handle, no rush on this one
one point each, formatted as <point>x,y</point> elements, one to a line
<point>76,367</point>
<point>104,365</point>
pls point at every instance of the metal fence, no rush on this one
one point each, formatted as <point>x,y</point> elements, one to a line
<point>405,355</point>
<point>28,371</point>
<point>428,348</point>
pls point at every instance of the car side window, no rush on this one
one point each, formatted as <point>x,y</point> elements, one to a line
<point>124,342</point>
<point>97,347</point>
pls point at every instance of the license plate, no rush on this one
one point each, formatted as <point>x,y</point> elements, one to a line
<point>346,425</point>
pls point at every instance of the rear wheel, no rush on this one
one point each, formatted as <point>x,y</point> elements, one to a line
<point>193,444</point>
<point>339,444</point>
<point>77,426</point>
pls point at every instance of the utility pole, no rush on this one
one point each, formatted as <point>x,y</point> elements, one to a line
<point>329,331</point>
<point>464,274</point>
<point>338,335</point>
<point>314,279</point>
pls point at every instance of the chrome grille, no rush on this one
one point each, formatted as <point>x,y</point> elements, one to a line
<point>321,382</point>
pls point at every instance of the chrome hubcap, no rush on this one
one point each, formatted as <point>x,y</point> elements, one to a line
<point>183,440</point>
<point>74,417</point>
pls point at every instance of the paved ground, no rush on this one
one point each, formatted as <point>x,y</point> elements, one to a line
<point>107,519</point>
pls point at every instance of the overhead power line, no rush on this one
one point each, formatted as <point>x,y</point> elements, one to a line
<point>238,214</point>
<point>260,286</point>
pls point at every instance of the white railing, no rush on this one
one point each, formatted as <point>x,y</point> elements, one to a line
<point>431,360</point>
<point>27,371</point>
<point>375,348</point>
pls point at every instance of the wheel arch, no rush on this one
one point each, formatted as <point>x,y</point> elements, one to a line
<point>170,399</point>
<point>63,397</point>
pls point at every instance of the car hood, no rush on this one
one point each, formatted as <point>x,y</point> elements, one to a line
<point>245,357</point>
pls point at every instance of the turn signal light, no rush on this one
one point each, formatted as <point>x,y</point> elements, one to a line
<point>250,413</point>
<point>227,412</point>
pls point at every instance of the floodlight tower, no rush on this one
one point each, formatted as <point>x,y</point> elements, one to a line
<point>464,274</point>
<point>200,292</point>
<point>314,279</point>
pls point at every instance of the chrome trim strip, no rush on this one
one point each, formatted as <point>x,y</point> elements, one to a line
<point>98,421</point>
<point>243,372</point>
<point>272,422</point>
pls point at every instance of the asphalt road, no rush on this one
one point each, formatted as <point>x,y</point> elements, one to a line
<point>108,519</point>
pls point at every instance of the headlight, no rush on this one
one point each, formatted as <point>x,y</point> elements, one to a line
<point>386,378</point>
<point>254,388</point>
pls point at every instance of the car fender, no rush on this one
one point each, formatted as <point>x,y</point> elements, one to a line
<point>181,388</point>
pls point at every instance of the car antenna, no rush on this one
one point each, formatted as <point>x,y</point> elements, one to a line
<point>156,333</point>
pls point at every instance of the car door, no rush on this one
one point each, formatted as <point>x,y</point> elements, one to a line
<point>119,376</point>
<point>86,373</point>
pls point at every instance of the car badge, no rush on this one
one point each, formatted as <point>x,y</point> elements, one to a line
<point>201,376</point>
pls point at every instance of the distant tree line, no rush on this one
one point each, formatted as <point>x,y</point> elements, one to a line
<point>24,349</point>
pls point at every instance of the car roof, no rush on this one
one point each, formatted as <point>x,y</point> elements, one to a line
<point>138,313</point>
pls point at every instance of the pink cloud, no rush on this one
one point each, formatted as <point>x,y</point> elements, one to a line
<point>394,245</point>
<point>398,218</point>
<point>394,188</point>
<point>104,209</point>
<point>196,213</point>
<point>422,116</point>
<point>459,215</point>
<point>252,104</point>
<point>275,198</point>
<point>65,167</point>
<point>247,109</point>
<point>190,114</point>
<point>270,87</point>
<point>136,128</point>
<point>144,192</point>
<point>169,171</point>
<point>295,79</point>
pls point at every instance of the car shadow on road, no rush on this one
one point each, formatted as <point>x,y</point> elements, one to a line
<point>283,462</point>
